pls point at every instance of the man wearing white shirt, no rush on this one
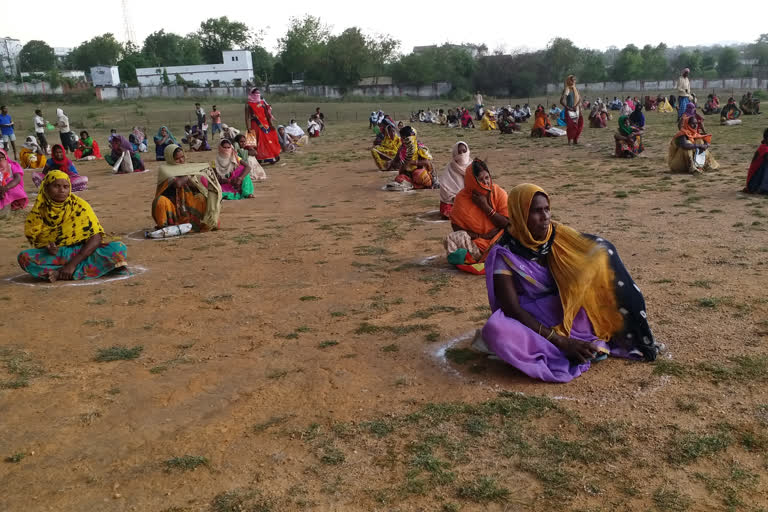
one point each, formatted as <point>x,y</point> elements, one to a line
<point>40,130</point>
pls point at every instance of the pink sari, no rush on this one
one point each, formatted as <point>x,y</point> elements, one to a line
<point>15,197</point>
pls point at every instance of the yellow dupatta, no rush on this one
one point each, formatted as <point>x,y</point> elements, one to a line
<point>581,267</point>
<point>68,223</point>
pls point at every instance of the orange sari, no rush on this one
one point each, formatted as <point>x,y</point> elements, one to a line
<point>468,216</point>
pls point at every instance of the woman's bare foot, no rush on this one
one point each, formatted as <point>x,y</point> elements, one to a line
<point>53,276</point>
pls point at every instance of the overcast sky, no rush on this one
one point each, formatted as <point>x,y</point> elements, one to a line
<point>511,25</point>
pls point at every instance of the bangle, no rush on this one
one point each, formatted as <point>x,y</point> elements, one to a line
<point>492,212</point>
<point>551,334</point>
<point>539,329</point>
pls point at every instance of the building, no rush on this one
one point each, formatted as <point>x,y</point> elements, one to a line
<point>105,76</point>
<point>60,53</point>
<point>236,69</point>
<point>77,76</point>
<point>9,55</point>
<point>472,50</point>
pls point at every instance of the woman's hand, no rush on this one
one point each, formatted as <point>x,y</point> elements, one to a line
<point>2,191</point>
<point>482,202</point>
<point>577,350</point>
<point>52,249</point>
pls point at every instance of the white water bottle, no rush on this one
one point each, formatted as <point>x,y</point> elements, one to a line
<point>169,231</point>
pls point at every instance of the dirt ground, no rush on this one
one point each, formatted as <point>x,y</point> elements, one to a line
<point>296,358</point>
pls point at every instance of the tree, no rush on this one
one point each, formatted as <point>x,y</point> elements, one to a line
<point>348,55</point>
<point>655,65</point>
<point>263,65</point>
<point>629,64</point>
<point>690,60</point>
<point>728,62</point>
<point>303,45</point>
<point>132,60</point>
<point>102,50</point>
<point>447,63</point>
<point>219,34</point>
<point>168,49</point>
<point>759,50</point>
<point>562,59</point>
<point>36,56</point>
<point>382,50</point>
<point>592,67</point>
<point>166,80</point>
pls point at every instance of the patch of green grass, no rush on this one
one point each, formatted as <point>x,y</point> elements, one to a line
<point>668,367</point>
<point>438,282</point>
<point>483,489</point>
<point>686,405</point>
<point>669,499</point>
<point>185,462</point>
<point>241,501</point>
<point>271,422</point>
<point>15,458</point>
<point>379,428</point>
<point>620,193</point>
<point>397,330</point>
<point>476,426</point>
<point>107,322</point>
<point>332,456</point>
<point>117,353</point>
<point>249,285</point>
<point>702,284</point>
<point>307,298</point>
<point>218,298</point>
<point>158,369</point>
<point>462,355</point>
<point>277,374</point>
<point>432,336</point>
<point>338,314</point>
<point>327,343</point>
<point>390,348</point>
<point>433,310</point>
<point>688,446</point>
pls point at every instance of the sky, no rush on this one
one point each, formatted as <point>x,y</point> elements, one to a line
<point>510,24</point>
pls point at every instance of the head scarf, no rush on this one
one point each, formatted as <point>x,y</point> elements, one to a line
<point>684,71</point>
<point>226,160</point>
<point>637,117</point>
<point>139,135</point>
<point>31,144</point>
<point>624,127</point>
<point>60,113</point>
<point>452,179</point>
<point>581,268</point>
<point>690,133</point>
<point>64,163</point>
<point>123,144</point>
<point>569,87</point>
<point>202,180</point>
<point>68,223</point>
<point>468,216</point>
<point>254,96</point>
<point>171,138</point>
<point>283,139</point>
<point>690,109</point>
<point>6,168</point>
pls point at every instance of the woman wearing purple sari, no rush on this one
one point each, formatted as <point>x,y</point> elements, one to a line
<point>560,299</point>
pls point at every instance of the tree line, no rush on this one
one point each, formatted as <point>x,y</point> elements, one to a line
<point>308,51</point>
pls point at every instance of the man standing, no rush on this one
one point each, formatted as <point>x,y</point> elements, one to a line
<point>6,127</point>
<point>478,104</point>
<point>200,113</point>
<point>215,123</point>
<point>683,92</point>
<point>40,130</point>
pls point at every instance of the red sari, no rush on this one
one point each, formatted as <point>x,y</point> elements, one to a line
<point>268,147</point>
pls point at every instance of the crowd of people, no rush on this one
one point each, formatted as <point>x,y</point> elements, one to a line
<point>560,299</point>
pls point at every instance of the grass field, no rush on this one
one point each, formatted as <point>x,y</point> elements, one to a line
<point>304,356</point>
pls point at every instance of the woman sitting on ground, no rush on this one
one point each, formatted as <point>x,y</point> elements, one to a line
<point>466,119</point>
<point>296,134</point>
<point>233,173</point>
<point>712,106</point>
<point>31,156</point>
<point>139,140</point>
<point>729,115</point>
<point>689,150</point>
<point>598,116</point>
<point>650,103</point>
<point>452,120</point>
<point>186,193</point>
<point>123,158</point>
<point>628,139</point>
<point>757,177</point>
<point>87,148</point>
<point>60,162</point>
<point>198,140</point>
<point>489,121</point>
<point>478,219</point>
<point>452,178</point>
<point>749,105</point>
<point>387,149</point>
<point>313,127</point>
<point>413,163</point>
<point>540,123</point>
<point>507,122</point>
<point>637,118</point>
<point>554,113</point>
<point>163,139</point>
<point>66,236</point>
<point>560,299</point>
<point>664,106</point>
<point>286,142</point>
<point>12,194</point>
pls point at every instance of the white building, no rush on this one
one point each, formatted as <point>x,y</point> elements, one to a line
<point>75,75</point>
<point>236,69</point>
<point>61,52</point>
<point>105,76</point>
<point>9,54</point>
